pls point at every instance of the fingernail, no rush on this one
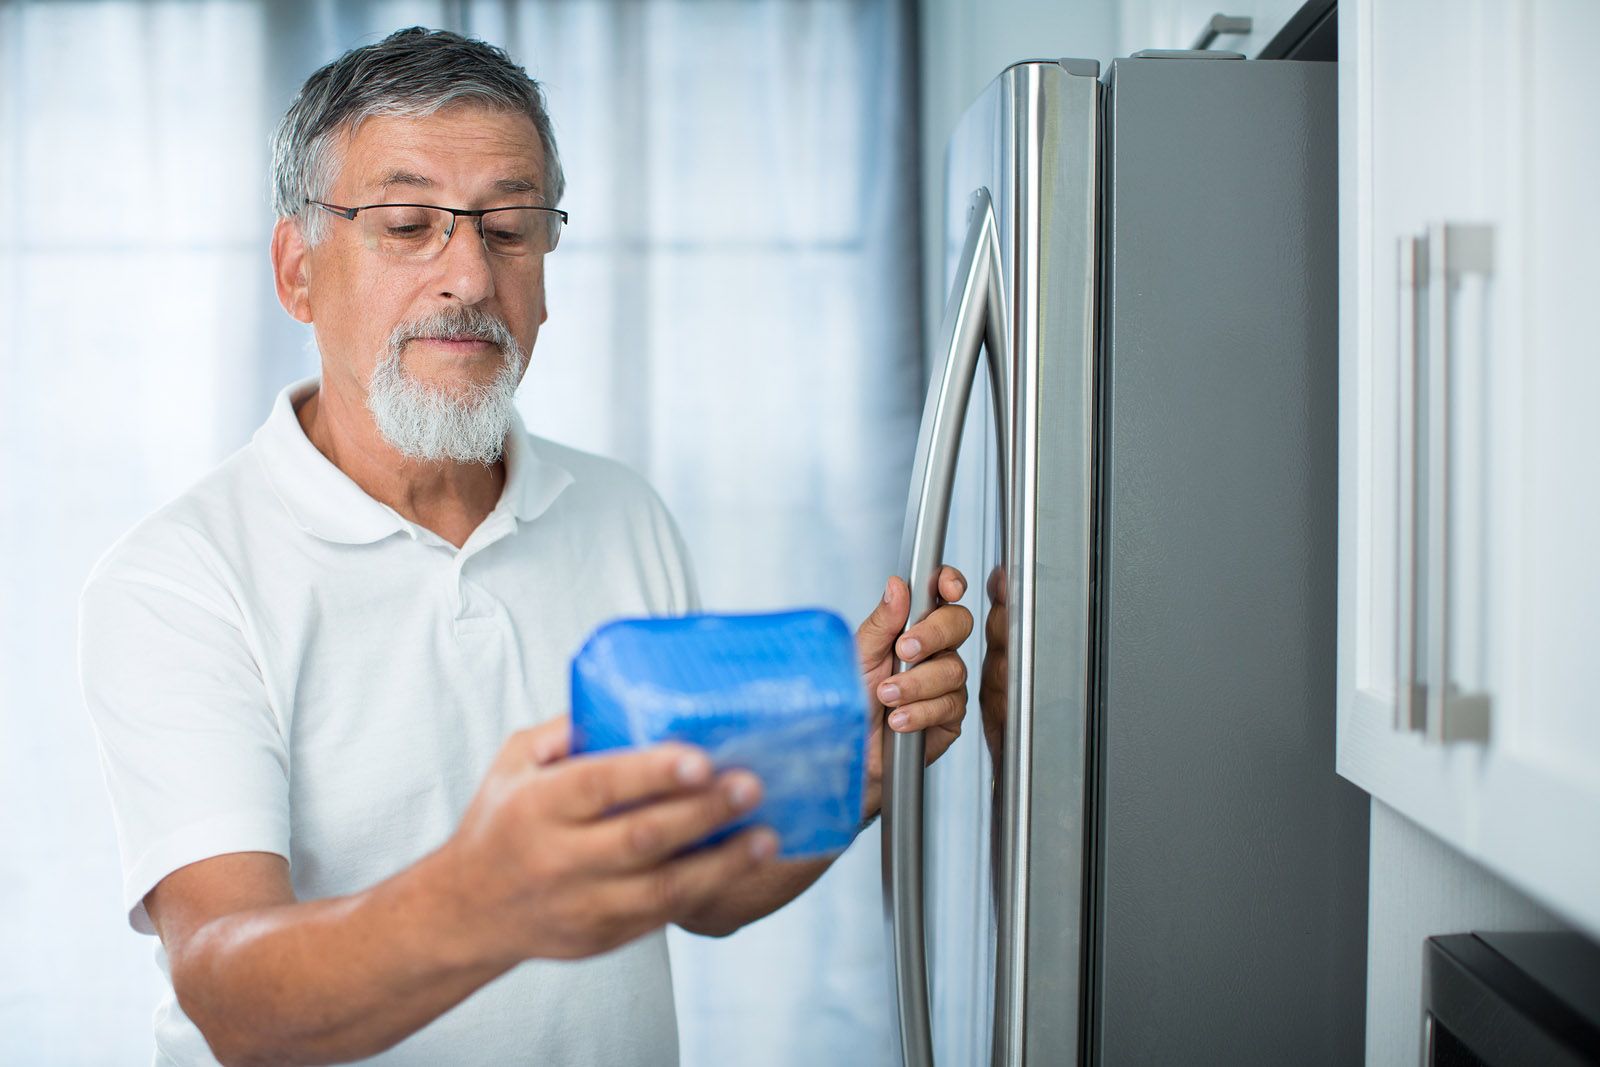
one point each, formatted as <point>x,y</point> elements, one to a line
<point>899,720</point>
<point>742,792</point>
<point>888,590</point>
<point>909,647</point>
<point>693,769</point>
<point>763,845</point>
<point>888,693</point>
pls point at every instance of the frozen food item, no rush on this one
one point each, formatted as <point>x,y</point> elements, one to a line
<point>779,695</point>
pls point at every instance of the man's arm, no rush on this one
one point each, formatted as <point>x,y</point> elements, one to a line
<point>270,980</point>
<point>929,695</point>
<point>538,868</point>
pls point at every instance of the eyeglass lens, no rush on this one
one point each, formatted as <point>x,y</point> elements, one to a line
<point>403,231</point>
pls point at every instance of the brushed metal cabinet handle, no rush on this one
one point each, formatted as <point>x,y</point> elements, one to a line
<point>1409,695</point>
<point>1454,249</point>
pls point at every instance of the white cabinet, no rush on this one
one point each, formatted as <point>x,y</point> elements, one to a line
<point>1469,595</point>
<point>1177,23</point>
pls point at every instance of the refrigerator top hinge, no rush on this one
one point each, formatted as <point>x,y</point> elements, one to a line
<point>1082,68</point>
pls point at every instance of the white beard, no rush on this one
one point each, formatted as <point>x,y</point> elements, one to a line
<point>465,425</point>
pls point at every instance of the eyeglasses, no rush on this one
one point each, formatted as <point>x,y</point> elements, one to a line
<point>420,231</point>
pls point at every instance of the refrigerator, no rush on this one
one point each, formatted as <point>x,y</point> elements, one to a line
<point>1138,850</point>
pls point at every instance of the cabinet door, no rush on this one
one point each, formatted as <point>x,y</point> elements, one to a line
<point>1468,601</point>
<point>1425,147</point>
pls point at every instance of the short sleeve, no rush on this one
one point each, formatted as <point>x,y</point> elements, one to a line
<point>194,758</point>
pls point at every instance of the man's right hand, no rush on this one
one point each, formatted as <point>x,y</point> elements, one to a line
<point>564,857</point>
<point>556,857</point>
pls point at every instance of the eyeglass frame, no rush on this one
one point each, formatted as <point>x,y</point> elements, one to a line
<point>349,214</point>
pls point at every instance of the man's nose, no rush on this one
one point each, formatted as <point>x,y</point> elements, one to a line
<point>463,268</point>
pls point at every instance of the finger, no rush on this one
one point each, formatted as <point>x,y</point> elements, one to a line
<point>944,628</point>
<point>933,677</point>
<point>939,740</point>
<point>539,745</point>
<point>997,585</point>
<point>945,711</point>
<point>994,627</point>
<point>952,584</point>
<point>875,636</point>
<point>643,836</point>
<point>684,885</point>
<point>993,672</point>
<point>591,786</point>
<point>551,741</point>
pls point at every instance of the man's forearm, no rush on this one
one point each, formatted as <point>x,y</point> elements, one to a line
<point>332,980</point>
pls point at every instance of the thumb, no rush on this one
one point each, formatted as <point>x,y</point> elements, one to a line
<point>876,636</point>
<point>547,742</point>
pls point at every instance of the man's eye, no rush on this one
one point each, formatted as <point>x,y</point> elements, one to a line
<point>411,230</point>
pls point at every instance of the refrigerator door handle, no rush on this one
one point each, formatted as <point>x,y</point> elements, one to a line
<point>974,317</point>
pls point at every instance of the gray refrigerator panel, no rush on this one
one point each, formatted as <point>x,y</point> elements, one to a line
<point>1231,861</point>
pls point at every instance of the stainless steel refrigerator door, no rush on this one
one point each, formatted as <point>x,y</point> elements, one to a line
<point>1029,144</point>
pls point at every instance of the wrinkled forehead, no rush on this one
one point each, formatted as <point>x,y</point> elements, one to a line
<point>463,150</point>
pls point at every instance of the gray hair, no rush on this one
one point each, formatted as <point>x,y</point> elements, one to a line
<point>413,72</point>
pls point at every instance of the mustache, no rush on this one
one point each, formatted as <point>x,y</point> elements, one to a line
<point>457,324</point>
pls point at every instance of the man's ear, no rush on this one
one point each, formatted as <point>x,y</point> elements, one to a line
<point>289,269</point>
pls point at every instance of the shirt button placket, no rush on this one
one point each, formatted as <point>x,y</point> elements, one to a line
<point>459,591</point>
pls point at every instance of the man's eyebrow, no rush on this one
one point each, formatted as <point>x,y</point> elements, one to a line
<point>516,185</point>
<point>504,185</point>
<point>405,177</point>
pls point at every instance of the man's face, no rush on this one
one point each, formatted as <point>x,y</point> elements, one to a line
<point>462,157</point>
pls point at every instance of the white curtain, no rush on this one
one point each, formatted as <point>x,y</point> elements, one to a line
<point>732,312</point>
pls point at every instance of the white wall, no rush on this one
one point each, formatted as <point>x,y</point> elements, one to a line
<point>1419,887</point>
<point>963,44</point>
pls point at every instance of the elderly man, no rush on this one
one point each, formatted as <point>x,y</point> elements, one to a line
<point>329,680</point>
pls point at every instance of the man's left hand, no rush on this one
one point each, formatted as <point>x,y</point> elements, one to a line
<point>931,693</point>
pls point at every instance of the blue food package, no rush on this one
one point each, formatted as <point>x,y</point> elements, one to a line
<point>779,695</point>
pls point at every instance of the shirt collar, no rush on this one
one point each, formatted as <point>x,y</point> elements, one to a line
<point>325,502</point>
<point>533,480</point>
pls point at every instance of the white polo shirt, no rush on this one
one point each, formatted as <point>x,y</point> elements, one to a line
<point>276,662</point>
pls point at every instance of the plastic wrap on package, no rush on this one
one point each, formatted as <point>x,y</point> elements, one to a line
<point>779,695</point>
